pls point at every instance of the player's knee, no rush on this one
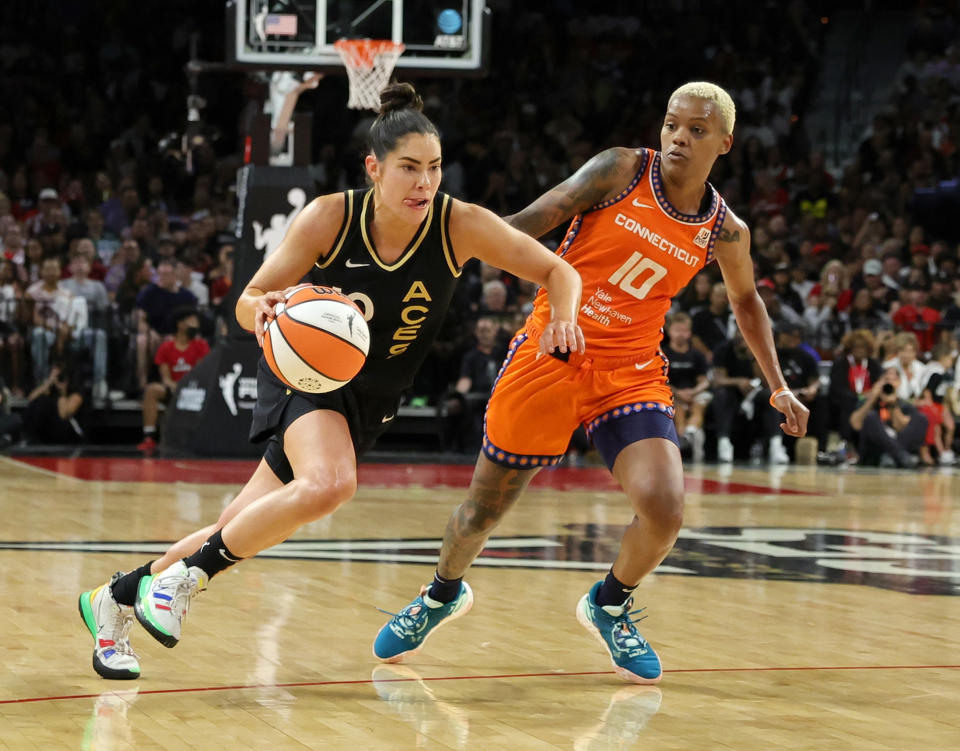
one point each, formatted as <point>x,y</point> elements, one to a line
<point>659,504</point>
<point>669,515</point>
<point>323,493</point>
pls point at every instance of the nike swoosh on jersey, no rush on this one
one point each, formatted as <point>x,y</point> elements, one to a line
<point>638,205</point>
<point>388,418</point>
<point>351,265</point>
<point>642,365</point>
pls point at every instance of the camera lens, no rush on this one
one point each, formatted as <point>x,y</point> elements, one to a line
<point>888,389</point>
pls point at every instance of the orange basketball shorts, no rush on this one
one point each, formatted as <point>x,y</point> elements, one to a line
<point>538,402</point>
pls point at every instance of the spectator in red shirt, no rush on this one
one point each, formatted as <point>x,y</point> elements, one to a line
<point>834,275</point>
<point>768,197</point>
<point>14,246</point>
<point>175,358</point>
<point>220,276</point>
<point>916,317</point>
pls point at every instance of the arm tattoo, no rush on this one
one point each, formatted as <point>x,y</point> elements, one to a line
<point>544,214</point>
<point>726,236</point>
<point>591,183</point>
<point>586,187</point>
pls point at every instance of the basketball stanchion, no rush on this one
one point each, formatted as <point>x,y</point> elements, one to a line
<point>369,63</point>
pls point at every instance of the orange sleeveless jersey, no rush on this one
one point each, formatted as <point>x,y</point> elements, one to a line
<point>634,253</point>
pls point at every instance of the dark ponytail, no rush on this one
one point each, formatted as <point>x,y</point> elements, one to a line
<point>401,113</point>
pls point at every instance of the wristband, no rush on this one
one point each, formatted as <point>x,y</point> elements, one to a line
<point>779,392</point>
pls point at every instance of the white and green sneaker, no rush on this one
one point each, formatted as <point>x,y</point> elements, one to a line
<point>405,633</point>
<point>109,623</point>
<point>163,600</point>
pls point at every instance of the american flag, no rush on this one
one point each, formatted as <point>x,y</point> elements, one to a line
<point>281,24</point>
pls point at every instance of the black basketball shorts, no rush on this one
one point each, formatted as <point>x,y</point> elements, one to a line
<point>368,415</point>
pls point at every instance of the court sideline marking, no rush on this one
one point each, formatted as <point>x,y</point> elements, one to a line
<point>41,470</point>
<point>306,684</point>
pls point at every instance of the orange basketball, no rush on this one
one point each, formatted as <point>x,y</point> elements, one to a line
<point>318,341</point>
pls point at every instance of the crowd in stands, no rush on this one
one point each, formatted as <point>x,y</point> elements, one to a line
<point>113,241</point>
<point>859,277</point>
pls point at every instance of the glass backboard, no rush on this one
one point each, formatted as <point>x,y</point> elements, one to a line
<point>440,36</point>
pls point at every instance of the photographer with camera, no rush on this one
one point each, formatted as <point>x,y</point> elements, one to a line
<point>853,373</point>
<point>53,409</point>
<point>888,425</point>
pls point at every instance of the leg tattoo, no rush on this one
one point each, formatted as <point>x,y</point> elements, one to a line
<point>492,493</point>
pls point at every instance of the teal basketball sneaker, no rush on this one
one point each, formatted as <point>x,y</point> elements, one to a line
<point>633,658</point>
<point>405,633</point>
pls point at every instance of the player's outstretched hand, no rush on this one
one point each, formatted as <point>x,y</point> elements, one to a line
<point>564,336</point>
<point>265,312</point>
<point>795,412</point>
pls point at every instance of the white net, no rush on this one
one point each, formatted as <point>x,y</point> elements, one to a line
<point>369,63</point>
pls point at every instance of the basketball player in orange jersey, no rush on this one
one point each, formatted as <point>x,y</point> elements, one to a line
<point>396,249</point>
<point>644,222</point>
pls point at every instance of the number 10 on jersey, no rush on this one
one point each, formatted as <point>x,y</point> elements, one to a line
<point>637,264</point>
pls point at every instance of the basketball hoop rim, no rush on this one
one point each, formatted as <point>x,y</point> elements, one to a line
<point>362,53</point>
<point>369,63</point>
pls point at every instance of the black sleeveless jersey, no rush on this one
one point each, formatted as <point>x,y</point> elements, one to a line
<point>404,302</point>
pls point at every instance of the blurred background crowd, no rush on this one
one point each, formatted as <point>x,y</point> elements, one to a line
<point>114,243</point>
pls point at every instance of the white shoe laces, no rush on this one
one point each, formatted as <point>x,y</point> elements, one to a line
<point>122,623</point>
<point>624,630</point>
<point>410,624</point>
<point>186,590</point>
<point>183,591</point>
<point>182,597</point>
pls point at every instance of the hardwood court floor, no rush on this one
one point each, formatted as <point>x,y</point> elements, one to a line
<point>801,609</point>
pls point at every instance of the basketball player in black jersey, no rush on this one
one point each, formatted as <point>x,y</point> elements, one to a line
<point>396,249</point>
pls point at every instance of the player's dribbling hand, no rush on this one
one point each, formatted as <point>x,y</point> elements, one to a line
<point>264,312</point>
<point>564,336</point>
<point>795,412</point>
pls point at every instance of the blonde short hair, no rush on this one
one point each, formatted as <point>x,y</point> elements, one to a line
<point>905,339</point>
<point>713,93</point>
